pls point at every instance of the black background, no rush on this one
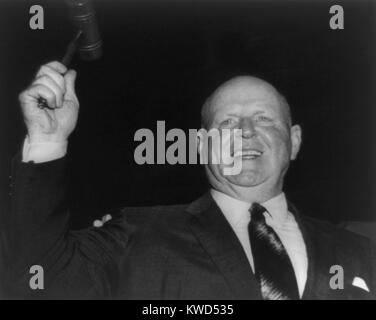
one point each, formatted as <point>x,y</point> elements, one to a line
<point>162,59</point>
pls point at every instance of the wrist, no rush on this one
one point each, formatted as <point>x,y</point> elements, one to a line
<point>36,138</point>
<point>43,151</point>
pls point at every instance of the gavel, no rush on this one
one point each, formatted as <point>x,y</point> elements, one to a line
<point>86,41</point>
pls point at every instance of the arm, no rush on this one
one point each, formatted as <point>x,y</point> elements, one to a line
<point>78,264</point>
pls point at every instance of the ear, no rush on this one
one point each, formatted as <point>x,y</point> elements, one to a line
<point>296,140</point>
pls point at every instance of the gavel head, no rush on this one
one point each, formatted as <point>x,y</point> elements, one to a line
<point>83,17</point>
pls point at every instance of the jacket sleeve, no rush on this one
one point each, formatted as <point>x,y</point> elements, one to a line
<point>76,264</point>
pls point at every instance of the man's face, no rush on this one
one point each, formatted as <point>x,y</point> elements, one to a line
<point>268,141</point>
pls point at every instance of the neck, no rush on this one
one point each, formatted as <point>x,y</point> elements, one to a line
<point>250,194</point>
<point>260,193</point>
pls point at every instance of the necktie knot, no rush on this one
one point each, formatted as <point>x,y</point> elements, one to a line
<point>257,212</point>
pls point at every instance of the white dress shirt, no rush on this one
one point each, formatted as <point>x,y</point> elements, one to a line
<point>279,218</point>
<point>43,151</point>
<point>235,211</point>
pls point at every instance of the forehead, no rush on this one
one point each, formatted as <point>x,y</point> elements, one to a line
<point>246,96</point>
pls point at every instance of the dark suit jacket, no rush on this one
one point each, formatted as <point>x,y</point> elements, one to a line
<point>163,252</point>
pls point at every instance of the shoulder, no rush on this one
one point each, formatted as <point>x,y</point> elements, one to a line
<point>338,236</point>
<point>157,231</point>
<point>161,216</point>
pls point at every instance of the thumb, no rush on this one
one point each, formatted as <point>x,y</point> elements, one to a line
<point>70,79</point>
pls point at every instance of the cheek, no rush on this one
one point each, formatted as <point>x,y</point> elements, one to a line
<point>276,140</point>
<point>221,147</point>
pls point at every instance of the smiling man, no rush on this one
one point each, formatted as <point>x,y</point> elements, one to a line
<point>269,141</point>
<point>241,240</point>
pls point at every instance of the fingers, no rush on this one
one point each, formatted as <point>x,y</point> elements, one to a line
<point>70,79</point>
<point>54,74</point>
<point>49,83</point>
<point>57,66</point>
<point>100,223</point>
<point>51,75</point>
<point>38,90</point>
<point>97,223</point>
<point>53,78</point>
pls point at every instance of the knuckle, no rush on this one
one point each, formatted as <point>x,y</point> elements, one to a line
<point>22,95</point>
<point>47,93</point>
<point>47,70</point>
<point>42,78</point>
<point>56,66</point>
<point>43,69</point>
<point>54,62</point>
<point>55,81</point>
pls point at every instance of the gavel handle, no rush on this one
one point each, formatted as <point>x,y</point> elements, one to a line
<point>66,60</point>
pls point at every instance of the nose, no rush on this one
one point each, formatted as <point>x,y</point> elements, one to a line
<point>248,128</point>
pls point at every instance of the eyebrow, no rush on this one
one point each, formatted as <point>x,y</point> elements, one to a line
<point>236,115</point>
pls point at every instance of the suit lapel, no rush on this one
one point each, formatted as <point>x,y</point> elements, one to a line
<point>320,253</point>
<point>219,240</point>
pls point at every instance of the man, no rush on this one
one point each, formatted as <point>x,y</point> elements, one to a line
<point>241,240</point>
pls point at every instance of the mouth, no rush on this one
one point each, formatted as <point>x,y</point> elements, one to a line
<point>248,154</point>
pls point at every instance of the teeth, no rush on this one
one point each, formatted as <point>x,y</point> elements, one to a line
<point>242,153</point>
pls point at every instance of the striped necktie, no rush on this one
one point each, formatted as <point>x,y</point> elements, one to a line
<point>273,268</point>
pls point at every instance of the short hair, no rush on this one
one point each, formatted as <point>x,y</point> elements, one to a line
<point>206,109</point>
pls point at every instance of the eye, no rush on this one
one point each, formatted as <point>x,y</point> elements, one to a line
<point>228,122</point>
<point>264,119</point>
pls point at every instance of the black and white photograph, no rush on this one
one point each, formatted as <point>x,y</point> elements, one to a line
<point>187,151</point>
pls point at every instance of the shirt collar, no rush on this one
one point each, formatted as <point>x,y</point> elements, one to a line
<point>277,207</point>
<point>237,211</point>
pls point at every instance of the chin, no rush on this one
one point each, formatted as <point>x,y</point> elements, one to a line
<point>247,179</point>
